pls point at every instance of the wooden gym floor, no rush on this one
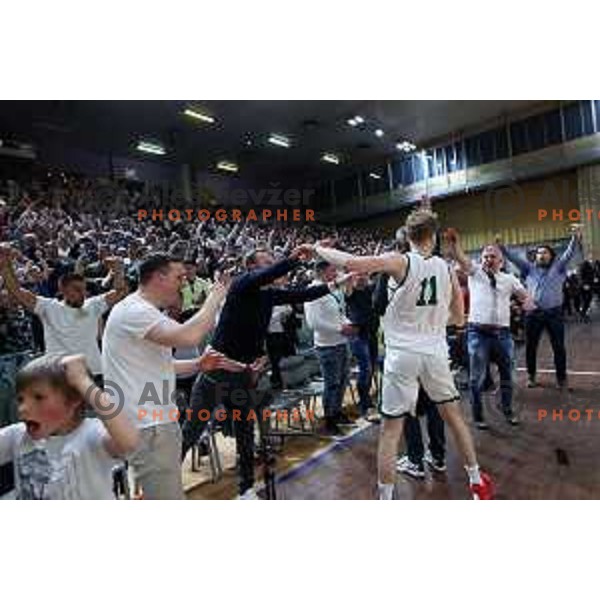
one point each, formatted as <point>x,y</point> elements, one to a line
<point>543,458</point>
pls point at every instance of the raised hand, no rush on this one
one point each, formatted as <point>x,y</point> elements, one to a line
<point>76,372</point>
<point>451,241</point>
<point>303,252</point>
<point>110,262</point>
<point>577,230</point>
<point>451,236</point>
<point>223,279</point>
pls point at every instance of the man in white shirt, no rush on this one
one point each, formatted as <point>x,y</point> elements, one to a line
<point>139,366</point>
<point>488,332</point>
<point>71,324</point>
<point>326,316</point>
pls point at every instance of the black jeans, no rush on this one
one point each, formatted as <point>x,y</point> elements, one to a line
<point>435,429</point>
<point>586,299</point>
<point>243,404</point>
<point>535,323</point>
<point>277,344</point>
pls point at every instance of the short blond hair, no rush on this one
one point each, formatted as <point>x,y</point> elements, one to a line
<point>421,226</point>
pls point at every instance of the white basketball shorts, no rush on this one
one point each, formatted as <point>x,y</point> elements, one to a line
<point>404,370</point>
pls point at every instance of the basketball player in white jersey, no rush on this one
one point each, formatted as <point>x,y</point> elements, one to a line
<point>424,297</point>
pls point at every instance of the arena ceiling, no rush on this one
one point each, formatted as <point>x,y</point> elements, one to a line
<point>241,129</point>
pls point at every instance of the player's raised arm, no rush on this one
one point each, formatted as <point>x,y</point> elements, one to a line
<point>392,262</point>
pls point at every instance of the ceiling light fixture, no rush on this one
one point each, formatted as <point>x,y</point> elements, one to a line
<point>151,148</point>
<point>379,133</point>
<point>374,176</point>
<point>331,158</point>
<point>279,140</point>
<point>406,146</point>
<point>225,165</point>
<point>195,114</point>
<point>352,122</point>
<point>359,119</point>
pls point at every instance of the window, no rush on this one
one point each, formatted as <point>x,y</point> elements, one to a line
<point>535,132</point>
<point>586,111</point>
<point>408,172</point>
<point>450,159</point>
<point>473,156</point>
<point>518,137</point>
<point>398,173</point>
<point>418,167</point>
<point>501,142</point>
<point>430,163</point>
<point>440,163</point>
<point>573,121</point>
<point>487,147</point>
<point>553,127</point>
<point>460,159</point>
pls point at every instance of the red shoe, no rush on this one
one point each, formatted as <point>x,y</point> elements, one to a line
<point>484,490</point>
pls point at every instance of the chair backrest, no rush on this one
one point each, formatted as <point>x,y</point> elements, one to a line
<point>305,336</point>
<point>294,371</point>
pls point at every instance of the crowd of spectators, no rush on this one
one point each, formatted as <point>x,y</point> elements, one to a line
<point>76,224</point>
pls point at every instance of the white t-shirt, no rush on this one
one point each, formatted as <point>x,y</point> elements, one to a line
<point>325,316</point>
<point>69,330</point>
<point>277,316</point>
<point>489,306</point>
<point>75,466</point>
<point>139,369</point>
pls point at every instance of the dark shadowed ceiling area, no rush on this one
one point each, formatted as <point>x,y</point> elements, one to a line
<point>241,129</point>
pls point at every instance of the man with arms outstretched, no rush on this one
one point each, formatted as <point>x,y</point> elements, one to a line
<point>424,298</point>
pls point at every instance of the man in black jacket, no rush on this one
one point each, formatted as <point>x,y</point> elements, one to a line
<point>586,278</point>
<point>240,335</point>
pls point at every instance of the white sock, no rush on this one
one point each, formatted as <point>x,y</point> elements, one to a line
<point>474,475</point>
<point>386,491</point>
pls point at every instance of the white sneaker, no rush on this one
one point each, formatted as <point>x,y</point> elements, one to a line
<point>406,466</point>
<point>249,494</point>
<point>437,465</point>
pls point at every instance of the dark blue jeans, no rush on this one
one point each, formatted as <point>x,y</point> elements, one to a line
<point>360,350</point>
<point>485,347</point>
<point>334,369</point>
<point>535,323</point>
<point>435,429</point>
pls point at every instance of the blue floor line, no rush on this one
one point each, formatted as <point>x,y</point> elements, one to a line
<point>316,458</point>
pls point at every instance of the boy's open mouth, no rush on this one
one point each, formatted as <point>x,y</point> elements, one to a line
<point>33,428</point>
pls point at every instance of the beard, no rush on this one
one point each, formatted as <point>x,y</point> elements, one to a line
<point>74,304</point>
